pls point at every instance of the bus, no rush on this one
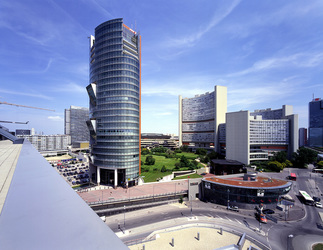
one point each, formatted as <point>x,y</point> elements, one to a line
<point>317,170</point>
<point>292,176</point>
<point>306,198</point>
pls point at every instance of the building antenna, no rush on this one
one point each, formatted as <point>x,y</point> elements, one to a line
<point>313,97</point>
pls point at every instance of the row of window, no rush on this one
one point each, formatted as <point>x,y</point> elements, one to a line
<point>135,138</point>
<point>118,93</point>
<point>105,131</point>
<point>117,157</point>
<point>118,125</point>
<point>115,60</point>
<point>119,79</point>
<point>107,35</point>
<point>106,68</point>
<point>109,25</point>
<point>119,106</point>
<point>108,42</point>
<point>127,164</point>
<point>99,112</point>
<point>112,47</point>
<point>117,144</point>
<point>117,73</point>
<point>118,119</point>
<point>117,86</point>
<point>116,151</point>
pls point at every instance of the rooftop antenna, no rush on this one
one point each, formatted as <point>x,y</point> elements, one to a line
<point>313,97</point>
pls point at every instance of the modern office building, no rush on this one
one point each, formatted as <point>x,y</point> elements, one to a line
<point>258,135</point>
<point>75,124</point>
<point>114,92</point>
<point>199,119</point>
<point>48,142</point>
<point>316,123</point>
<point>302,135</point>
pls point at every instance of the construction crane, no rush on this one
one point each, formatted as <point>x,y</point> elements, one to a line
<point>24,106</point>
<point>14,122</point>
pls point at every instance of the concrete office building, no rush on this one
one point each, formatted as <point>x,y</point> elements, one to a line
<point>257,135</point>
<point>48,142</point>
<point>152,140</point>
<point>315,126</point>
<point>199,119</point>
<point>302,135</point>
<point>114,92</point>
<point>75,124</point>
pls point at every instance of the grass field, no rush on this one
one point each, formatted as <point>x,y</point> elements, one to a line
<point>160,161</point>
<point>192,176</point>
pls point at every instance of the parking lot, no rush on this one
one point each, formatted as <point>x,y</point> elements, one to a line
<point>74,172</point>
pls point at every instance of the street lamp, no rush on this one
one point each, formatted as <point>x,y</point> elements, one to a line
<point>124,217</point>
<point>191,205</point>
<point>228,198</point>
<point>289,241</point>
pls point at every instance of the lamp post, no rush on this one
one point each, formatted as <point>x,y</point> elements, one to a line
<point>191,206</point>
<point>289,241</point>
<point>124,217</point>
<point>228,198</point>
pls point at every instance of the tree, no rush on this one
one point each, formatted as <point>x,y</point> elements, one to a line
<point>184,148</point>
<point>319,164</point>
<point>150,160</point>
<point>169,154</point>
<point>201,151</point>
<point>163,169</point>
<point>303,156</point>
<point>280,156</point>
<point>275,166</point>
<point>145,151</point>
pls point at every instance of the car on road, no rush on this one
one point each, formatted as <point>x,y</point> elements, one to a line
<point>316,199</point>
<point>268,211</point>
<point>318,204</point>
<point>261,217</point>
<point>233,208</point>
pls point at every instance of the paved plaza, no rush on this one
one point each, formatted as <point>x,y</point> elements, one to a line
<point>107,193</point>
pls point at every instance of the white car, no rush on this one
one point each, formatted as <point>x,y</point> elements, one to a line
<point>318,204</point>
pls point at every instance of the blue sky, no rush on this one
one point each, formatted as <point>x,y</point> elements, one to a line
<point>268,53</point>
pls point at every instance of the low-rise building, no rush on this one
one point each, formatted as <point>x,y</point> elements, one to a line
<point>152,140</point>
<point>243,190</point>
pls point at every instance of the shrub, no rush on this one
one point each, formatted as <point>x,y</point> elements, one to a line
<point>163,169</point>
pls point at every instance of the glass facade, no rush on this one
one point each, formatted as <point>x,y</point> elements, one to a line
<point>316,123</point>
<point>115,105</point>
<point>75,123</point>
<point>242,196</point>
<point>198,114</point>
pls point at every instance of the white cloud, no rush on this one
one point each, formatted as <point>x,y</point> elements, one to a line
<point>190,40</point>
<point>55,118</point>
<point>37,95</point>
<point>298,60</point>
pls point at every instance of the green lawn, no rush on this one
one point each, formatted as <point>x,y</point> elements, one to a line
<point>318,246</point>
<point>192,176</point>
<point>160,161</point>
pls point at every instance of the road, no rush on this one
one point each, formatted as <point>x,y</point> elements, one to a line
<point>304,231</point>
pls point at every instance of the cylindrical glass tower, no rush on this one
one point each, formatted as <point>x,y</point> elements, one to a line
<point>114,92</point>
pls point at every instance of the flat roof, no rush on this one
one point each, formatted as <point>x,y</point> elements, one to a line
<point>41,211</point>
<point>227,162</point>
<point>236,180</point>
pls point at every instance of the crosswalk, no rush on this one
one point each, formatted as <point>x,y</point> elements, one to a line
<point>216,216</point>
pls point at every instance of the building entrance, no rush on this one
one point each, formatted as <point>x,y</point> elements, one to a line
<point>107,176</point>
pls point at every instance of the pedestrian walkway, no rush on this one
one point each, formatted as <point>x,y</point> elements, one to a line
<point>148,189</point>
<point>192,238</point>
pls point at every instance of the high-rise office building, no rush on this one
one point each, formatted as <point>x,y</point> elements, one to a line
<point>254,136</point>
<point>75,124</point>
<point>316,123</point>
<point>114,92</point>
<point>200,117</point>
<point>302,135</point>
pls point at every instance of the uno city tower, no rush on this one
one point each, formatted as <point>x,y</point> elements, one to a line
<point>115,103</point>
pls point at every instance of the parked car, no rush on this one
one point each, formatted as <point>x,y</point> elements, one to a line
<point>268,211</point>
<point>318,204</point>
